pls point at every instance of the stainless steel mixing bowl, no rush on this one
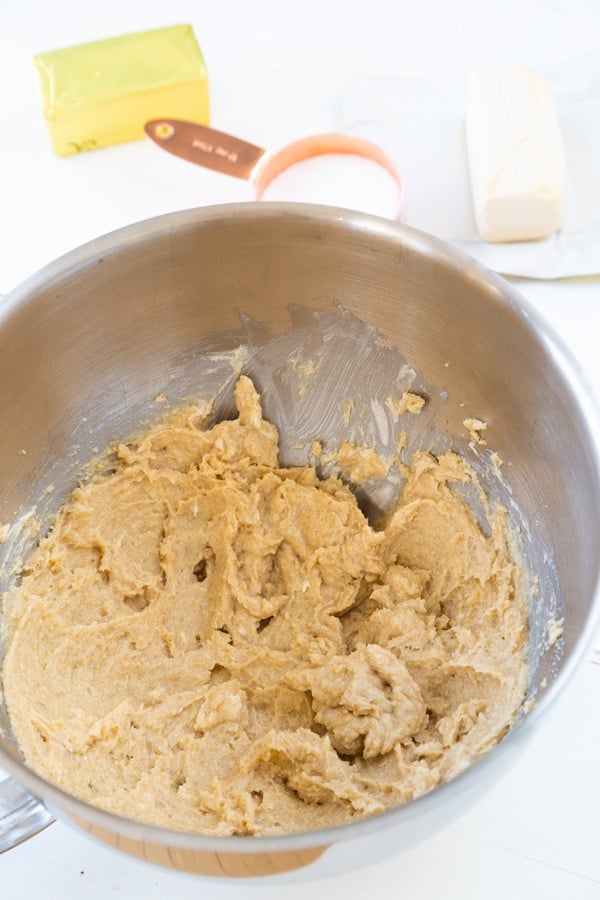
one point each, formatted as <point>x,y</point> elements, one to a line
<point>88,342</point>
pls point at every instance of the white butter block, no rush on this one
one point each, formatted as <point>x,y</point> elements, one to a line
<point>515,155</point>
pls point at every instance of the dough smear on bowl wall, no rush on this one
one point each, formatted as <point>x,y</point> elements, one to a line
<point>211,642</point>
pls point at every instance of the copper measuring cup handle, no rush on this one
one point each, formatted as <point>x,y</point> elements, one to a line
<point>205,146</point>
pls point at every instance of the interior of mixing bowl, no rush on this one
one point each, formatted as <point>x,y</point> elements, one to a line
<point>317,307</point>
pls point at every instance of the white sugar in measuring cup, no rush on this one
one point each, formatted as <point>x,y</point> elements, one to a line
<point>336,169</point>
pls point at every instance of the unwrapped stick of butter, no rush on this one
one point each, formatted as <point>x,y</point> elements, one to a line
<point>515,155</point>
<point>103,93</point>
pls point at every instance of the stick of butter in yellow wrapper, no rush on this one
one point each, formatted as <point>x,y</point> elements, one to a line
<point>102,93</point>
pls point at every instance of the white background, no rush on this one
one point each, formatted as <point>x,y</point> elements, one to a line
<point>278,72</point>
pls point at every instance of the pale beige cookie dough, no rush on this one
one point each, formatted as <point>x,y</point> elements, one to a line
<point>210,642</point>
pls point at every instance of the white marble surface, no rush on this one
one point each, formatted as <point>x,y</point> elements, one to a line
<point>277,72</point>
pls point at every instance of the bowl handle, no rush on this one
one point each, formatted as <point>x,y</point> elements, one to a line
<point>21,815</point>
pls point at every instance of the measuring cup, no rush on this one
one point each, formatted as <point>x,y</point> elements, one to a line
<point>231,155</point>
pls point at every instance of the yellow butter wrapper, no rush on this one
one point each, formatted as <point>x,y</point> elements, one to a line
<point>103,93</point>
